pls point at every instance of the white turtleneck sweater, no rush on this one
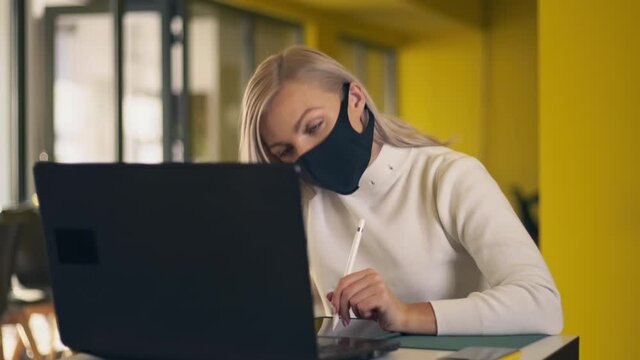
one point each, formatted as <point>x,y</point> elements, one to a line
<point>438,229</point>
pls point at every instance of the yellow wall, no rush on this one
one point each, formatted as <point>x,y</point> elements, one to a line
<point>474,81</point>
<point>441,77</point>
<point>511,144</point>
<point>589,173</point>
<point>440,85</point>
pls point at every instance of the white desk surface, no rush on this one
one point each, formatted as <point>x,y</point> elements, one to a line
<point>536,351</point>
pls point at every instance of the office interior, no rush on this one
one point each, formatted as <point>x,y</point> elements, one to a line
<point>544,92</point>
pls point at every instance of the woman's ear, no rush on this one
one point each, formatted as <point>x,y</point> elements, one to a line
<point>357,102</point>
<point>356,96</point>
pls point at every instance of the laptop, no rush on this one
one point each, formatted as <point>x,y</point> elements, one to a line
<point>183,261</point>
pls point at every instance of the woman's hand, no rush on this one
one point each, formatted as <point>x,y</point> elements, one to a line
<point>366,293</point>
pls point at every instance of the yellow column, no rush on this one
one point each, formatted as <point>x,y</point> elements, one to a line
<point>589,52</point>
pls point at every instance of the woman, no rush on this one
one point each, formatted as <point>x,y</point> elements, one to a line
<point>442,252</point>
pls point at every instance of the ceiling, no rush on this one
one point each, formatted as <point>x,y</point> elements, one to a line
<point>403,16</point>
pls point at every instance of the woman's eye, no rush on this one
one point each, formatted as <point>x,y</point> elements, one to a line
<point>313,128</point>
<point>284,152</point>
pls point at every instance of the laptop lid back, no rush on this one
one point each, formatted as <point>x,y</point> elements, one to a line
<point>187,261</point>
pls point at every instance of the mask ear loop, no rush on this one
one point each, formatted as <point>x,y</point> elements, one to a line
<point>344,109</point>
<point>344,103</point>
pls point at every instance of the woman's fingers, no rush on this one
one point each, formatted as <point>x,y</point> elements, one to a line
<point>350,291</point>
<point>353,285</point>
<point>367,294</point>
<point>357,298</point>
<point>343,283</point>
<point>369,307</point>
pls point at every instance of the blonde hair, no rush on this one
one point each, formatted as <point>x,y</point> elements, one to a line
<point>303,63</point>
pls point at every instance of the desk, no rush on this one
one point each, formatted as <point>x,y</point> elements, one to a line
<point>558,347</point>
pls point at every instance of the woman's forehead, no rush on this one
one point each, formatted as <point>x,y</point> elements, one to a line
<point>303,92</point>
<point>291,101</point>
<point>295,97</point>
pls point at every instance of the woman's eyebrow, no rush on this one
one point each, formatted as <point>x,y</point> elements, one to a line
<point>296,127</point>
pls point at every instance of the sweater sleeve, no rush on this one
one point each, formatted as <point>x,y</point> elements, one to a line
<point>522,297</point>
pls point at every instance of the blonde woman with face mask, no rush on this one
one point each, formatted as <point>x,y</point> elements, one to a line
<point>443,251</point>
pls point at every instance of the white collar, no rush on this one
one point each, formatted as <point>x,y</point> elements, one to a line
<point>383,171</point>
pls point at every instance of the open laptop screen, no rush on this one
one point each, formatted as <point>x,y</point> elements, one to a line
<point>178,260</point>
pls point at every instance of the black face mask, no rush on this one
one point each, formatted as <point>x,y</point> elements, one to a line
<point>339,161</point>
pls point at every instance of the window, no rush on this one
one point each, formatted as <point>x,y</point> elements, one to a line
<point>225,45</point>
<point>375,67</point>
<point>84,122</point>
<point>142,102</point>
<point>166,116</point>
<point>83,83</point>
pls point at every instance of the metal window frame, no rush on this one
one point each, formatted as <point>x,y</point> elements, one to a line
<point>117,12</point>
<point>182,136</point>
<point>118,9</point>
<point>18,67</point>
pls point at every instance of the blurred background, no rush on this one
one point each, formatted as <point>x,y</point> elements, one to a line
<point>544,92</point>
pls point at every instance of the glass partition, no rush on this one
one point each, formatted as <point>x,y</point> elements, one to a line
<point>225,46</point>
<point>83,88</point>
<point>142,98</point>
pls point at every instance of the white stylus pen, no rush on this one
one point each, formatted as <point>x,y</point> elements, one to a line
<point>351,260</point>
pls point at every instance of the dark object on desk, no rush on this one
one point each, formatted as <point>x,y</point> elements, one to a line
<point>357,328</point>
<point>571,351</point>
<point>334,348</point>
<point>182,261</point>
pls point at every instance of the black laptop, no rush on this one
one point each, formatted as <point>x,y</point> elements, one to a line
<point>183,261</point>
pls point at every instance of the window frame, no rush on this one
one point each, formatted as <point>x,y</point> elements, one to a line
<point>18,87</point>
